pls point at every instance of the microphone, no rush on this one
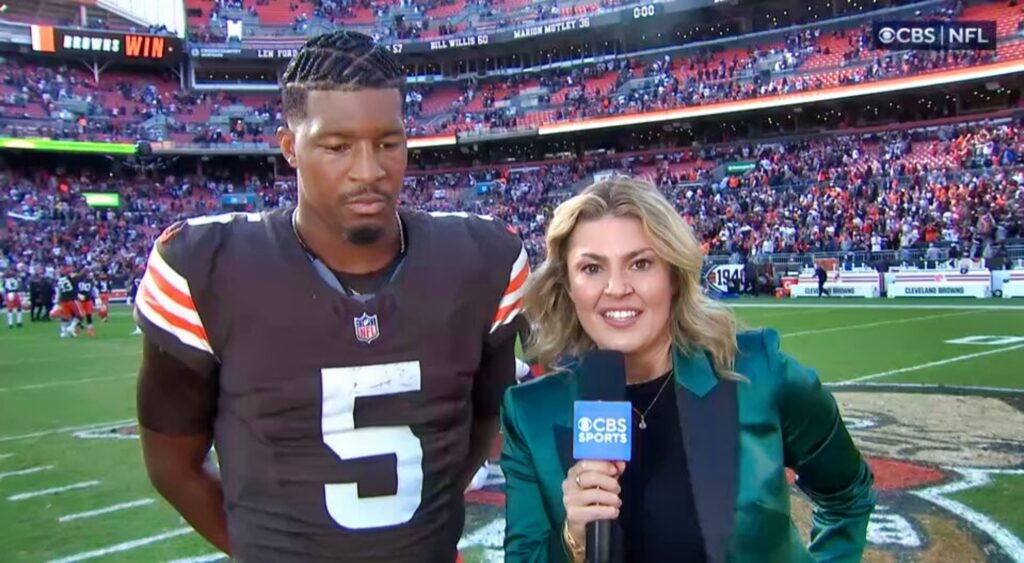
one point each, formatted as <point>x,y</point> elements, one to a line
<point>602,428</point>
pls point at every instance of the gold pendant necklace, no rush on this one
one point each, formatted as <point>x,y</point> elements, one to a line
<point>643,415</point>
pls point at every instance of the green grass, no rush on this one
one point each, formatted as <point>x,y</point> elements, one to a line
<point>859,343</point>
<point>35,356</point>
<point>43,387</point>
<point>994,501</point>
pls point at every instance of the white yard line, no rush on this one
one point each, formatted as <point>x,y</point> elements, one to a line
<point>759,316</point>
<point>28,471</point>
<point>489,535</point>
<point>53,491</point>
<point>797,312</point>
<point>973,478</point>
<point>126,546</point>
<point>870,306</point>
<point>5,456</point>
<point>68,429</point>
<point>929,365</point>
<point>59,359</point>
<point>107,433</point>
<point>932,387</point>
<point>202,558</point>
<point>65,382</point>
<point>106,510</point>
<point>879,323</point>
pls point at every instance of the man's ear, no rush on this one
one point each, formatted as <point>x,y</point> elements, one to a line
<point>286,140</point>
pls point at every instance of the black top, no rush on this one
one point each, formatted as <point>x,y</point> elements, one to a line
<point>658,516</point>
<point>370,282</point>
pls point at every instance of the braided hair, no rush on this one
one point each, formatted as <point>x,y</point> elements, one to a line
<point>340,60</point>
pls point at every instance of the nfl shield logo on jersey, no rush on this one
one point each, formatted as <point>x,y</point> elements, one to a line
<point>367,329</point>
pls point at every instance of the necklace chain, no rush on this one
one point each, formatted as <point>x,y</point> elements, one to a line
<point>643,415</point>
<point>398,219</point>
<point>312,255</point>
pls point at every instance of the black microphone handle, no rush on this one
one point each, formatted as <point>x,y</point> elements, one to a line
<point>599,541</point>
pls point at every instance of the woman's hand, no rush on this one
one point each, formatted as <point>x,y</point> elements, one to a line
<point>590,492</point>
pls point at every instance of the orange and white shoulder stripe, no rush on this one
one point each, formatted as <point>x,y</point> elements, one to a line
<point>512,301</point>
<point>165,300</point>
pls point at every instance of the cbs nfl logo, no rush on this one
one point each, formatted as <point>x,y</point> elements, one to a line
<point>934,35</point>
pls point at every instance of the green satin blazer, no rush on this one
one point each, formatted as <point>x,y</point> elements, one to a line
<point>739,439</point>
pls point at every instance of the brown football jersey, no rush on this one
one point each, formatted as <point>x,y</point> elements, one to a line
<point>342,422</point>
<point>66,288</point>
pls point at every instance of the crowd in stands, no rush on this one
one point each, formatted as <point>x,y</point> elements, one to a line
<point>65,102</point>
<point>419,20</point>
<point>68,103</point>
<point>624,86</point>
<point>962,185</point>
<point>388,19</point>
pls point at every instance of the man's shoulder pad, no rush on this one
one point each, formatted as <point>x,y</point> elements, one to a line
<point>478,226</point>
<point>199,237</point>
<point>197,229</point>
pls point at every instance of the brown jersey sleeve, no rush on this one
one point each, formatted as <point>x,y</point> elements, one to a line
<point>174,305</point>
<point>176,279</point>
<point>506,249</point>
<point>498,366</point>
<point>497,372</point>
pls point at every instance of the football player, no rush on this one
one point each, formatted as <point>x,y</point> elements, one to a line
<point>86,299</point>
<point>103,287</point>
<point>14,285</point>
<point>133,290</point>
<point>346,357</point>
<point>67,304</point>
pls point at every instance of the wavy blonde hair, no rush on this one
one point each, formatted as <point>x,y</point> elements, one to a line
<point>696,322</point>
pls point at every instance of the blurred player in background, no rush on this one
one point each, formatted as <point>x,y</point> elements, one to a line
<point>822,276</point>
<point>14,285</point>
<point>37,301</point>
<point>86,287</point>
<point>67,308</point>
<point>103,287</point>
<point>133,290</point>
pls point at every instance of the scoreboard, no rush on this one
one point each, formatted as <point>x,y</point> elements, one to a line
<point>122,46</point>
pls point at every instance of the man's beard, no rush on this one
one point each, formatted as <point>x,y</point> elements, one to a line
<point>364,235</point>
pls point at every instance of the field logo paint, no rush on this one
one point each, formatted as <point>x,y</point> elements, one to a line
<point>115,432</point>
<point>923,447</point>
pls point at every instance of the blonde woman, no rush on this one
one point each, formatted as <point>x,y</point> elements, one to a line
<point>718,415</point>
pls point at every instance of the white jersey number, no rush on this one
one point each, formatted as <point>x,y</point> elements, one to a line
<point>341,388</point>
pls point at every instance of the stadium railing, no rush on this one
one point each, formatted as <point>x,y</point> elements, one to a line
<point>917,257</point>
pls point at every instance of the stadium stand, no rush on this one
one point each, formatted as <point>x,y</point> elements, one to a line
<point>808,60</point>
<point>893,193</point>
<point>55,12</point>
<point>409,19</point>
<point>838,192</point>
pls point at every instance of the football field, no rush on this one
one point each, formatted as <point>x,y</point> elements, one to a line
<point>932,390</point>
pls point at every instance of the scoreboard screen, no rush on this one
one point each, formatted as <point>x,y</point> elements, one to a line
<point>114,45</point>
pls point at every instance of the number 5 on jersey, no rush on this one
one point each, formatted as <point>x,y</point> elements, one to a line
<point>341,388</point>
